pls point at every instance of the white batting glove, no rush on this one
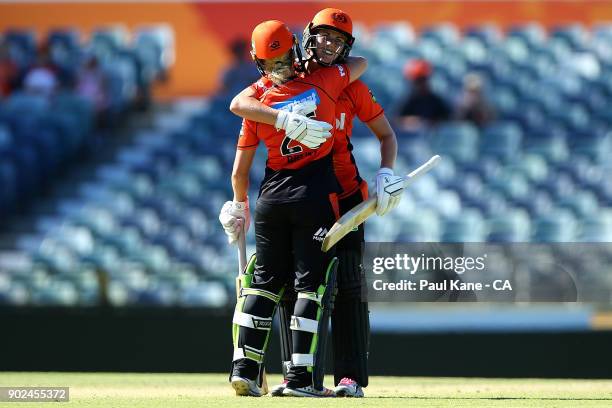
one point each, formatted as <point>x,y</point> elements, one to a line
<point>309,132</point>
<point>233,215</point>
<point>304,108</point>
<point>389,190</point>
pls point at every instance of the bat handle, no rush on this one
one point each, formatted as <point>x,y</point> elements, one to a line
<point>241,242</point>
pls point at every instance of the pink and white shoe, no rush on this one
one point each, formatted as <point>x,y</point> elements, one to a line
<point>349,388</point>
<point>277,390</point>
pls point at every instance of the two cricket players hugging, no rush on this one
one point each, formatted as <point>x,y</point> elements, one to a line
<point>311,178</point>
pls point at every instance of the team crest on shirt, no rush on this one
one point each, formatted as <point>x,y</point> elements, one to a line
<point>262,86</point>
<point>372,95</point>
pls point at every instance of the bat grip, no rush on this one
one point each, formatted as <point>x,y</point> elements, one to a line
<point>241,243</point>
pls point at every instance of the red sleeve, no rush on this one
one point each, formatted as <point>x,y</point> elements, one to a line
<point>248,138</point>
<point>366,106</point>
<point>335,79</point>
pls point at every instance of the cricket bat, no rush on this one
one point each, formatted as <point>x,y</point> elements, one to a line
<point>358,214</point>
<point>242,263</point>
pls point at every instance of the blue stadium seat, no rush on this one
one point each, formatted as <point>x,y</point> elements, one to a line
<point>504,100</point>
<point>445,34</point>
<point>401,33</point>
<point>533,34</point>
<point>512,184</point>
<point>502,140</point>
<point>597,227</point>
<point>533,166</point>
<point>489,203</point>
<point>458,140</point>
<point>574,34</point>
<point>556,226</point>
<point>106,41</point>
<point>468,227</point>
<point>550,143</point>
<point>510,226</point>
<point>21,47</point>
<point>581,203</point>
<point>205,294</point>
<point>8,181</point>
<point>489,34</point>
<point>157,42</point>
<point>422,226</point>
<point>559,185</point>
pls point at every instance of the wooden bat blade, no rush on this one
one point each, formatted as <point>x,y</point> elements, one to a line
<point>348,221</point>
<point>358,214</point>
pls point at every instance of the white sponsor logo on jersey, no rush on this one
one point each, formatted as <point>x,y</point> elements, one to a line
<point>341,70</point>
<point>340,122</point>
<point>320,234</point>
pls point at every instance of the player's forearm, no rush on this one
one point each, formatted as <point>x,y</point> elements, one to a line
<point>240,173</point>
<point>381,127</point>
<point>240,185</point>
<point>251,108</point>
<point>388,150</point>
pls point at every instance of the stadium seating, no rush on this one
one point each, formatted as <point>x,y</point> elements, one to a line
<point>145,227</point>
<point>40,136</point>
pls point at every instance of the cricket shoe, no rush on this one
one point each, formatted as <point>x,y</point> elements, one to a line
<point>308,391</point>
<point>349,388</point>
<point>245,387</point>
<point>277,390</point>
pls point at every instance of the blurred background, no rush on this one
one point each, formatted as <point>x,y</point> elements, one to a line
<point>116,145</point>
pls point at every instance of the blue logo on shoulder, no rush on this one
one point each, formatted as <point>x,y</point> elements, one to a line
<point>310,95</point>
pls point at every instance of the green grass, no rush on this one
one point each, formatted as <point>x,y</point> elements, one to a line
<point>203,390</point>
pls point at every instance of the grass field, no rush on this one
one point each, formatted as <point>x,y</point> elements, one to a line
<point>110,390</point>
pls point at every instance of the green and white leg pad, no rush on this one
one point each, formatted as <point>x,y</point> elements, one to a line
<point>324,299</point>
<point>251,321</point>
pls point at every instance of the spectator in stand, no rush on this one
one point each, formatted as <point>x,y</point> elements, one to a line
<point>242,72</point>
<point>472,105</point>
<point>8,71</point>
<point>424,107</point>
<point>91,85</point>
<point>41,79</point>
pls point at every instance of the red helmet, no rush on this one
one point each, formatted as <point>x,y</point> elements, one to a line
<point>272,39</point>
<point>417,69</point>
<point>333,19</point>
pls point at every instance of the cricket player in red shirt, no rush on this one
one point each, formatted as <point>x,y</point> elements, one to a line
<point>327,40</point>
<point>297,203</point>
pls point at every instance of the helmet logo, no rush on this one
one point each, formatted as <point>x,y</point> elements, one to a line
<point>339,17</point>
<point>275,45</point>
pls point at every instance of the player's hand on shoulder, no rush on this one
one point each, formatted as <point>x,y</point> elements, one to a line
<point>389,190</point>
<point>311,133</point>
<point>233,215</point>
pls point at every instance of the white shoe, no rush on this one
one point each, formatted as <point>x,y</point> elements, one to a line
<point>308,391</point>
<point>349,388</point>
<point>277,390</point>
<point>245,387</point>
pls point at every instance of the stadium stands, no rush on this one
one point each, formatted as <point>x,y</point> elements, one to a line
<point>41,133</point>
<point>144,230</point>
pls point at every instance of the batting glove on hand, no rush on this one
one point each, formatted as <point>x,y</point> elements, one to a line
<point>389,189</point>
<point>304,108</point>
<point>309,132</point>
<point>233,216</point>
